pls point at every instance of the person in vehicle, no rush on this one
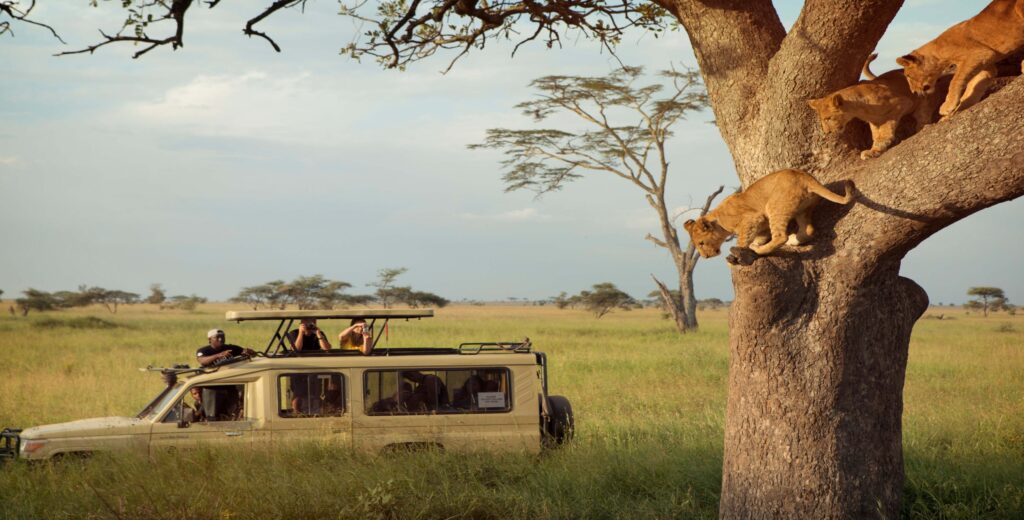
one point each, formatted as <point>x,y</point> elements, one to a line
<point>218,349</point>
<point>395,403</point>
<point>308,337</point>
<point>429,394</point>
<point>196,413</point>
<point>356,337</point>
<point>465,397</point>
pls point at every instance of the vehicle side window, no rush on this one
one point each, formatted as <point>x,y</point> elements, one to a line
<point>214,403</point>
<point>437,391</point>
<point>311,395</point>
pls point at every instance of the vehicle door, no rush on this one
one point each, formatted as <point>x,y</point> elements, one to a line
<point>312,405</point>
<point>211,414</point>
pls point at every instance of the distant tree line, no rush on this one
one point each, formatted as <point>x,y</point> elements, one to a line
<point>111,299</point>
<point>318,292</point>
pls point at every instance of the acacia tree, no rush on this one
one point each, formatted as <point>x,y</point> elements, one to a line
<point>818,334</point>
<point>988,298</point>
<point>387,294</point>
<point>605,298</point>
<point>544,160</point>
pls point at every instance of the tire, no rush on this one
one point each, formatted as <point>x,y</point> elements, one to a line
<point>560,424</point>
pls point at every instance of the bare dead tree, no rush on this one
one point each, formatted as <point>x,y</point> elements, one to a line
<point>819,334</point>
<point>545,160</point>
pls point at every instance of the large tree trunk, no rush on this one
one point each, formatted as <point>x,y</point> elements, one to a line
<point>819,334</point>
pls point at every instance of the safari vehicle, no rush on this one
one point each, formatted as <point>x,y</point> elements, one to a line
<point>477,396</point>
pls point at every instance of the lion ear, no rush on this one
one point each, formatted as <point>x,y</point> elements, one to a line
<point>837,101</point>
<point>688,224</point>
<point>907,60</point>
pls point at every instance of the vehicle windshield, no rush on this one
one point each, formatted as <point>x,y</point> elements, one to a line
<point>158,403</point>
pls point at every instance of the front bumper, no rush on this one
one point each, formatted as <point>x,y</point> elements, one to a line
<point>10,443</point>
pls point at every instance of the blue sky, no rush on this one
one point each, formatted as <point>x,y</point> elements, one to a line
<point>224,164</point>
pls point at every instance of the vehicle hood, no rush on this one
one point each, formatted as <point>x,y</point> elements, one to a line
<point>99,426</point>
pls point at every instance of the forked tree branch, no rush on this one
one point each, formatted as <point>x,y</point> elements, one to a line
<point>10,8</point>
<point>175,12</point>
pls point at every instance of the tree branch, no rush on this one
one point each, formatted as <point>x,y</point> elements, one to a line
<point>274,7</point>
<point>939,176</point>
<point>176,12</point>
<point>733,40</point>
<point>10,8</point>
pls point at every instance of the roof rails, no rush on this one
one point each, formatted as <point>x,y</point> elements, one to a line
<point>368,314</point>
<point>499,346</point>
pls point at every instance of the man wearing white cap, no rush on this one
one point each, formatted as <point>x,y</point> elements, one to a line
<point>218,350</point>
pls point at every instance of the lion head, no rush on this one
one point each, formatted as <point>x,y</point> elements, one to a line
<point>831,111</point>
<point>923,72</point>
<point>706,235</point>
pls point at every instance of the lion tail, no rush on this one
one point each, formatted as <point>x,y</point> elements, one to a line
<point>866,71</point>
<point>827,194</point>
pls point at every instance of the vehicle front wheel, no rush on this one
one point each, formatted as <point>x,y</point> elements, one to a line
<point>560,424</point>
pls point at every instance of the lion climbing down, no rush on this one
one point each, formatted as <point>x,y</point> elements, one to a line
<point>760,215</point>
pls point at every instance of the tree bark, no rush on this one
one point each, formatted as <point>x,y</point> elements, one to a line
<point>819,334</point>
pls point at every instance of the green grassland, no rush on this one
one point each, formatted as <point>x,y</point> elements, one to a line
<point>649,406</point>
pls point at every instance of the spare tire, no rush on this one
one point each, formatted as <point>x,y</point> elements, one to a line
<point>560,423</point>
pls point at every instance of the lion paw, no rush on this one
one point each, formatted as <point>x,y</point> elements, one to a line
<point>741,256</point>
<point>870,154</point>
<point>948,108</point>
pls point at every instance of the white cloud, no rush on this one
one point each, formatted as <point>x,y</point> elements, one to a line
<point>516,215</point>
<point>253,105</point>
<point>8,160</point>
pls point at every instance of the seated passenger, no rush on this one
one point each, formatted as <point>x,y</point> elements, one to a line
<point>195,412</point>
<point>218,350</point>
<point>395,403</point>
<point>430,392</point>
<point>356,337</point>
<point>465,397</point>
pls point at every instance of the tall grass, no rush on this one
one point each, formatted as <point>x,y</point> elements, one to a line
<point>649,408</point>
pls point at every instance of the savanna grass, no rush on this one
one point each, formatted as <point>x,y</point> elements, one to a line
<point>649,409</point>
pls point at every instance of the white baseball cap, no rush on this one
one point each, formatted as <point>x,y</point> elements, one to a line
<point>214,332</point>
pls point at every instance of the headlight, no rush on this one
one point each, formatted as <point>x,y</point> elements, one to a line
<point>31,446</point>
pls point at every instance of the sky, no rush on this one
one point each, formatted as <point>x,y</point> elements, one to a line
<point>224,164</point>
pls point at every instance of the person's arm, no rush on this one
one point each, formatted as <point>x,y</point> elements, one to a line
<point>367,345</point>
<point>212,358</point>
<point>324,344</point>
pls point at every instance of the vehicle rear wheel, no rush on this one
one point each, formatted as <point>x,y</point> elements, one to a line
<point>560,423</point>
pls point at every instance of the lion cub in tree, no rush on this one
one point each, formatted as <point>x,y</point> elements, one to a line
<point>969,51</point>
<point>760,215</point>
<point>881,102</point>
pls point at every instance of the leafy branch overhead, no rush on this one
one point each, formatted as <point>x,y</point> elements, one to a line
<point>400,32</point>
<point>543,160</point>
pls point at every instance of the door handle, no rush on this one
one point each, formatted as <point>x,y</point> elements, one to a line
<point>233,434</point>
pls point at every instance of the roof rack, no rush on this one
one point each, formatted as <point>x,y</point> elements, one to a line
<point>368,314</point>
<point>502,346</point>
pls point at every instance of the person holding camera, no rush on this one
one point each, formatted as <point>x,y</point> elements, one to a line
<point>308,337</point>
<point>357,336</point>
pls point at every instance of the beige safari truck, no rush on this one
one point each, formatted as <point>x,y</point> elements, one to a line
<point>477,396</point>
